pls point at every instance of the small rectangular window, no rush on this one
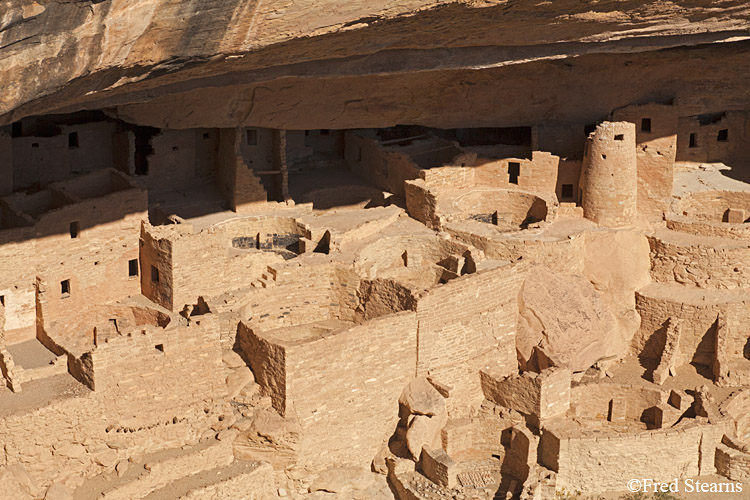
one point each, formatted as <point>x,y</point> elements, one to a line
<point>133,267</point>
<point>693,141</point>
<point>620,137</point>
<point>646,125</point>
<point>154,274</point>
<point>206,135</point>
<point>65,288</point>
<point>723,135</point>
<point>35,145</point>
<point>72,140</point>
<point>567,191</point>
<point>74,229</point>
<point>2,300</point>
<point>252,137</point>
<point>514,170</point>
<point>325,131</point>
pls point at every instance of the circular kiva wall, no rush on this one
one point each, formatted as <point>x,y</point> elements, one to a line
<point>593,400</point>
<point>271,234</point>
<point>716,206</point>
<point>349,196</point>
<point>502,207</point>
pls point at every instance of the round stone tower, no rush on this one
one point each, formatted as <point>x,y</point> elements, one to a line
<point>609,177</point>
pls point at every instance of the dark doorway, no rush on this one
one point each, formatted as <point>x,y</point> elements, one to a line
<point>514,170</point>
<point>567,192</point>
<point>143,148</point>
<point>73,140</point>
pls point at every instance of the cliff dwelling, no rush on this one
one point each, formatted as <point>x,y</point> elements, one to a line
<point>456,250</point>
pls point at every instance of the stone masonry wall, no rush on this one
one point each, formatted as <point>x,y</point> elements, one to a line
<point>592,400</point>
<point>697,332</point>
<point>156,261</point>
<point>83,432</point>
<point>706,228</point>
<point>560,255</point>
<point>656,148</point>
<point>703,262</point>
<point>538,174</point>
<point>96,262</point>
<point>17,283</point>
<point>236,180</point>
<point>609,177</point>
<point>469,316</point>
<point>598,464</point>
<point>421,203</point>
<point>178,366</point>
<point>348,385</point>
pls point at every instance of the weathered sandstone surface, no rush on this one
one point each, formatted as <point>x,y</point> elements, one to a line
<point>316,64</point>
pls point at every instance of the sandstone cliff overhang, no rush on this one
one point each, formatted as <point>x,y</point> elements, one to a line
<point>316,64</point>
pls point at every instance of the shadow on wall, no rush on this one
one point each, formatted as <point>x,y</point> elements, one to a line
<point>501,207</point>
<point>379,33</point>
<point>650,355</point>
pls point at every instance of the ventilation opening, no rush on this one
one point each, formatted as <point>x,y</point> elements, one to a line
<point>252,137</point>
<point>35,145</point>
<point>325,131</point>
<point>514,170</point>
<point>74,229</point>
<point>154,274</point>
<point>73,140</point>
<point>646,125</point>
<point>133,267</point>
<point>159,347</point>
<point>65,288</point>
<point>567,192</point>
<point>604,157</point>
<point>693,141</point>
<point>723,135</point>
<point>206,135</point>
<point>620,137</point>
<point>175,148</point>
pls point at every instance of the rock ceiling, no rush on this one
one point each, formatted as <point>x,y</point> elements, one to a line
<point>325,64</point>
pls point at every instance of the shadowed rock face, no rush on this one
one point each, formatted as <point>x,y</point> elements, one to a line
<point>326,64</point>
